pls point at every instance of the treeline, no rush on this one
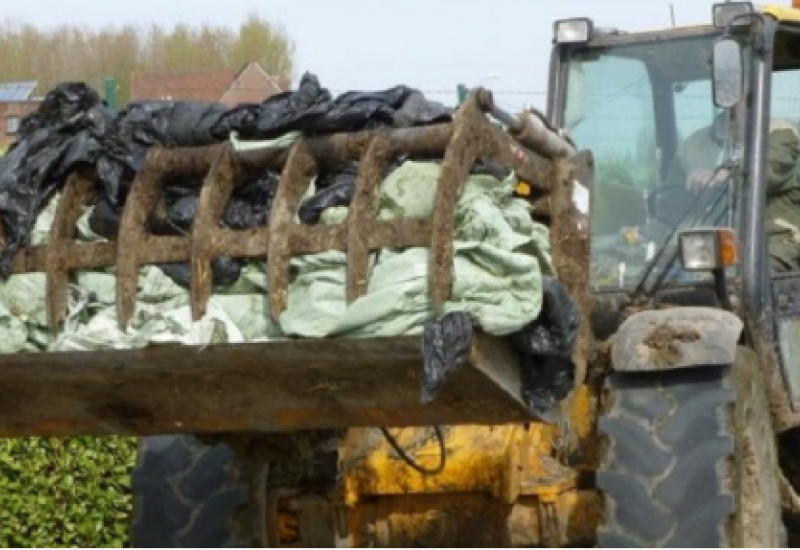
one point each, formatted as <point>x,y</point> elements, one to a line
<point>70,52</point>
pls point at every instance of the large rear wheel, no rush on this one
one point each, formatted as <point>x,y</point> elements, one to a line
<point>691,460</point>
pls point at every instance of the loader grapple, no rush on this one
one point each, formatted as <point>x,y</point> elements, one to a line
<point>470,137</point>
<point>272,386</point>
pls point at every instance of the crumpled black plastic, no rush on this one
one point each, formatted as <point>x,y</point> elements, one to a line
<point>66,131</point>
<point>172,123</point>
<point>297,110</point>
<point>546,348</point>
<point>73,126</point>
<point>334,188</point>
<point>445,347</point>
<point>311,110</point>
<point>251,203</point>
<point>225,271</point>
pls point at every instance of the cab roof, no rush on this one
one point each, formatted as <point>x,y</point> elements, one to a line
<point>784,14</point>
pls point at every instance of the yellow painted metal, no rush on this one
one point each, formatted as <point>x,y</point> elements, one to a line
<point>783,13</point>
<point>519,482</point>
<point>473,520</point>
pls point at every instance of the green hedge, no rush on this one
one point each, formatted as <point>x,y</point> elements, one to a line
<point>66,492</point>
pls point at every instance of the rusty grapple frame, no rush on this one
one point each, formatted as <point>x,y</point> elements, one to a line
<point>266,386</point>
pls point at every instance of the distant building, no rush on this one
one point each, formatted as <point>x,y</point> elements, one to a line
<point>16,100</point>
<point>252,84</point>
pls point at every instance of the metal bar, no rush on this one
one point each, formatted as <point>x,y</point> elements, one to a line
<point>363,211</point>
<point>423,142</point>
<point>186,162</point>
<point>78,192</point>
<point>470,141</point>
<point>218,186</point>
<point>141,201</point>
<point>247,243</point>
<point>310,384</point>
<point>300,168</point>
<point>337,148</point>
<point>530,131</point>
<point>315,239</point>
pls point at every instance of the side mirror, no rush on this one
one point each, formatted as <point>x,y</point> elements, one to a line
<point>728,73</point>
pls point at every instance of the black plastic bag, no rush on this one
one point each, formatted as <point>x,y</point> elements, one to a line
<point>312,111</point>
<point>334,188</point>
<point>251,203</point>
<point>104,220</point>
<point>66,131</point>
<point>282,113</point>
<point>446,346</point>
<point>546,381</point>
<point>416,110</point>
<point>171,123</point>
<point>547,346</point>
<point>397,107</point>
<point>225,271</point>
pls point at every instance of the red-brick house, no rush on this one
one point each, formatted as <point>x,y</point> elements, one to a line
<point>16,100</point>
<point>252,84</point>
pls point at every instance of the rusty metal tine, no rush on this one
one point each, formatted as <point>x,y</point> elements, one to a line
<point>78,192</point>
<point>362,214</point>
<point>296,177</point>
<point>188,162</point>
<point>217,188</point>
<point>472,138</point>
<point>143,196</point>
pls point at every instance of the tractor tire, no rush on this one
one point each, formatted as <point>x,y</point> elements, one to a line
<point>187,495</point>
<point>690,460</point>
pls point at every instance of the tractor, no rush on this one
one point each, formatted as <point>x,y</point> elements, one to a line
<point>679,427</point>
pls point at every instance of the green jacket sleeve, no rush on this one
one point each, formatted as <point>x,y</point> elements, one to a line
<point>782,166</point>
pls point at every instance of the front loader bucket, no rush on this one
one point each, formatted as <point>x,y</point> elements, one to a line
<point>283,385</point>
<point>266,387</point>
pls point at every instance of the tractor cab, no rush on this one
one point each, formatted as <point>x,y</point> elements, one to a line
<point>695,200</point>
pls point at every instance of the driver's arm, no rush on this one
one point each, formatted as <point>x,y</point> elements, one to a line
<point>783,200</point>
<point>695,160</point>
<point>783,155</point>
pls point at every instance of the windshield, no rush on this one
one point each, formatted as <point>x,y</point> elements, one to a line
<point>663,155</point>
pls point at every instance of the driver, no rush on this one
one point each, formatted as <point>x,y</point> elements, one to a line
<point>699,154</point>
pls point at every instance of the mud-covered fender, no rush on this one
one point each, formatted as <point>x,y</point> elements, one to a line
<point>676,338</point>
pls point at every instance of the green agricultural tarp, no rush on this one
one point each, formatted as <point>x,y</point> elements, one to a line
<point>500,255</point>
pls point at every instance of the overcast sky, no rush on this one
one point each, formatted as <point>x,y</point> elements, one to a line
<point>374,44</point>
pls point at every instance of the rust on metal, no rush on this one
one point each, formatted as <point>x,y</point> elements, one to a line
<point>136,247</point>
<point>295,180</point>
<point>469,142</point>
<point>78,192</point>
<point>363,211</point>
<point>142,198</point>
<point>311,384</point>
<point>216,191</point>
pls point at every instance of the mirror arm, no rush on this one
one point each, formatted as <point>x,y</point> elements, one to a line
<point>761,45</point>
